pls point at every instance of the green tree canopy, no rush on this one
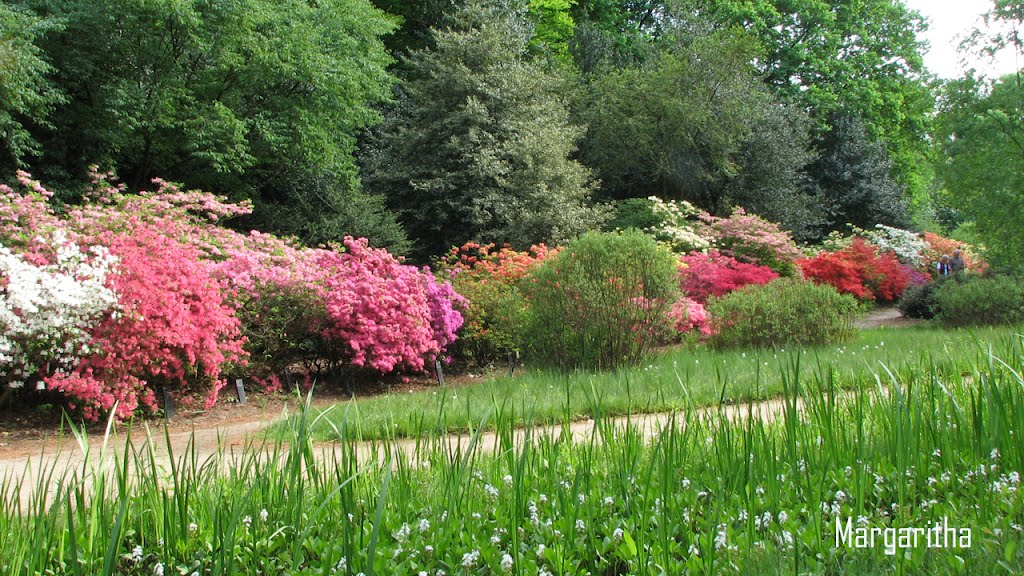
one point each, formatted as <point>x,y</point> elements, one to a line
<point>674,125</point>
<point>858,57</point>
<point>254,98</point>
<point>479,148</point>
<point>26,94</point>
<point>981,136</point>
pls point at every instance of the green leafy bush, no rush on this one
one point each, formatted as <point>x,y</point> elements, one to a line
<point>918,301</point>
<point>281,325</point>
<point>602,303</point>
<point>785,311</point>
<point>977,301</point>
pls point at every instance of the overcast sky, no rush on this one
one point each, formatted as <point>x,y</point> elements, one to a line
<point>948,19</point>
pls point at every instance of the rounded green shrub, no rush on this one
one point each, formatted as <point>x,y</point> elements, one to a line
<point>980,301</point>
<point>601,303</point>
<point>918,300</point>
<point>785,311</point>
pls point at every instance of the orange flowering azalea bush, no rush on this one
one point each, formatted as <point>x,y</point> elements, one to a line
<point>490,278</point>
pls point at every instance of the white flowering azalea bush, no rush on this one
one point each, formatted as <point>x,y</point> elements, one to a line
<point>47,311</point>
<point>908,246</point>
<point>680,226</point>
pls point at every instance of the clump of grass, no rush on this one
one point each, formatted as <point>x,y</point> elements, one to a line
<point>707,493</point>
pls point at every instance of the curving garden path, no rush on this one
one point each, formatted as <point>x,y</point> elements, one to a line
<point>32,459</point>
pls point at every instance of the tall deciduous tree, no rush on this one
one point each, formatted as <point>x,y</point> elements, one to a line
<point>981,135</point>
<point>255,98</point>
<point>26,94</point>
<point>861,57</point>
<point>479,148</point>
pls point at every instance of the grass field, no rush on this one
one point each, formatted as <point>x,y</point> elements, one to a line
<point>706,495</point>
<point>673,380</point>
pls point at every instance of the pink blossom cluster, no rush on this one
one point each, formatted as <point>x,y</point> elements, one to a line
<point>750,238</point>
<point>390,315</point>
<point>702,276</point>
<point>688,315</point>
<point>183,293</point>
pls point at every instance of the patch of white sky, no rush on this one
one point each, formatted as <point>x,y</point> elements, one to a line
<point>949,22</point>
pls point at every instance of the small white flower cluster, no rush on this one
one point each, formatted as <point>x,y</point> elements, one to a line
<point>908,246</point>
<point>678,228</point>
<point>46,311</point>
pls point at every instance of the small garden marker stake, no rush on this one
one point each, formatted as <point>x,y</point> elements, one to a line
<point>240,390</point>
<point>440,372</point>
<point>168,404</point>
<point>292,384</point>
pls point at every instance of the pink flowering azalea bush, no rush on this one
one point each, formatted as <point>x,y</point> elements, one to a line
<point>690,317</point>
<point>702,276</point>
<point>750,238</point>
<point>104,302</point>
<point>387,313</point>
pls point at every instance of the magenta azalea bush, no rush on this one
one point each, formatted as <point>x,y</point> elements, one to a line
<point>104,302</point>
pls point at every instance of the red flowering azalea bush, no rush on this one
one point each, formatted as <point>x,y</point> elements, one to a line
<point>834,269</point>
<point>715,274</point>
<point>860,270</point>
<point>491,280</point>
<point>750,238</point>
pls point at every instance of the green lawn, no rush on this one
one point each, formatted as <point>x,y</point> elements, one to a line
<point>716,496</point>
<point>672,380</point>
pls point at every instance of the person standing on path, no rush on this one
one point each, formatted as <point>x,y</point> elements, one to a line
<point>956,263</point>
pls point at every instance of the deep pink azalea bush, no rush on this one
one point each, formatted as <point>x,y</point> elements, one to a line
<point>382,310</point>
<point>702,276</point>
<point>152,292</point>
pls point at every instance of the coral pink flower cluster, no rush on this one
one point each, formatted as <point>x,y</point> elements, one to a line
<point>688,315</point>
<point>182,287</point>
<point>750,238</point>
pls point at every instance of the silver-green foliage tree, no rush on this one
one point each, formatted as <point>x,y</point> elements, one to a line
<point>480,146</point>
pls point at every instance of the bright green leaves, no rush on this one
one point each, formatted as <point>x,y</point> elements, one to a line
<point>26,94</point>
<point>981,133</point>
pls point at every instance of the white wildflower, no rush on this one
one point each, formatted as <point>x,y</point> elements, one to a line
<point>470,559</point>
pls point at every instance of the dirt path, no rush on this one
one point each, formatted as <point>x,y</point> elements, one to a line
<point>887,317</point>
<point>57,459</point>
<point>226,430</point>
